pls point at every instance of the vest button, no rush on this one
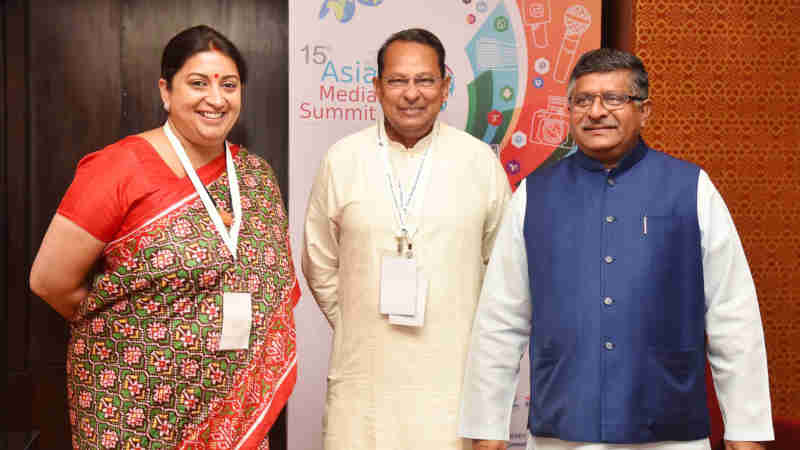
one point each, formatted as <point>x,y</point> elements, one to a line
<point>609,346</point>
<point>611,182</point>
<point>608,259</point>
<point>611,219</point>
<point>608,301</point>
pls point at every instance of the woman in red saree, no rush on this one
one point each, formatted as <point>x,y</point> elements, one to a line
<point>183,336</point>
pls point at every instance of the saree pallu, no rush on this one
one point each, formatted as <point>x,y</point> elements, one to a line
<point>143,365</point>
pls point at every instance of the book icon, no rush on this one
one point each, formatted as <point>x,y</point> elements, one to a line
<point>493,54</point>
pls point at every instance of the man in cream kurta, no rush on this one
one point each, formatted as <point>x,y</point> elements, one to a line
<point>394,386</point>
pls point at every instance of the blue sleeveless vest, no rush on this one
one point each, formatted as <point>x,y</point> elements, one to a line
<point>616,279</point>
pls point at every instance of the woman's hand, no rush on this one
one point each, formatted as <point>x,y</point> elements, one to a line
<point>62,264</point>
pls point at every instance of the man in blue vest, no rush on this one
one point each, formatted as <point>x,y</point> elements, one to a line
<point>622,270</point>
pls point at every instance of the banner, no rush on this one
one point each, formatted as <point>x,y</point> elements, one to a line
<point>509,62</point>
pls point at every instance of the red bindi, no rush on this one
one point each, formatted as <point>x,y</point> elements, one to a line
<point>216,75</point>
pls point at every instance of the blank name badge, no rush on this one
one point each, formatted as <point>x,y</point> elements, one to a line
<point>398,285</point>
<point>236,320</point>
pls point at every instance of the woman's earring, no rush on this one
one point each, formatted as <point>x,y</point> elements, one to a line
<point>166,107</point>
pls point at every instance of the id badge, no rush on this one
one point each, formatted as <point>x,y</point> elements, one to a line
<point>398,285</point>
<point>418,319</point>
<point>237,318</point>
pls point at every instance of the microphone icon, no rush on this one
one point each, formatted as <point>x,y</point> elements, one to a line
<point>577,20</point>
<point>537,16</point>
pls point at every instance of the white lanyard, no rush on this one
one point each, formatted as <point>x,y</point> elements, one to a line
<point>230,238</point>
<point>400,203</point>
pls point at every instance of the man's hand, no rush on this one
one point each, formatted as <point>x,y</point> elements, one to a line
<point>480,444</point>
<point>734,445</point>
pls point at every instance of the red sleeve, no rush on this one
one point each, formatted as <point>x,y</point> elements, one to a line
<point>97,199</point>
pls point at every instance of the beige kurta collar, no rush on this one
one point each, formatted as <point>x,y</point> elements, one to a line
<point>418,148</point>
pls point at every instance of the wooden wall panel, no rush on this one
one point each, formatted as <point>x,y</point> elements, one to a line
<point>16,166</point>
<point>74,109</point>
<point>17,299</point>
<point>66,100</point>
<point>3,214</point>
<point>618,24</point>
<point>13,89</point>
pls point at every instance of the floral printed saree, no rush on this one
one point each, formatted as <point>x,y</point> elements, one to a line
<point>143,364</point>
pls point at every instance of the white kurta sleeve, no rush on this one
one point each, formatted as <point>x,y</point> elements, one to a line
<point>499,194</point>
<point>736,349</point>
<point>499,333</point>
<point>320,260</point>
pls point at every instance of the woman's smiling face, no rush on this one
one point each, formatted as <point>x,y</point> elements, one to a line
<point>204,99</point>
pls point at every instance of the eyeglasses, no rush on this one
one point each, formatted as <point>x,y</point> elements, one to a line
<point>611,100</point>
<point>422,82</point>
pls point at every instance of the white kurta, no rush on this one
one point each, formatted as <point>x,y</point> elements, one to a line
<point>390,386</point>
<point>736,350</point>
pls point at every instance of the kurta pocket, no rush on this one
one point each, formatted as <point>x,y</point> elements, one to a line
<point>676,389</point>
<point>661,233</point>
<point>550,395</point>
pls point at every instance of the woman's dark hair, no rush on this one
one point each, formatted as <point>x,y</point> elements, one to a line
<point>418,35</point>
<point>200,38</point>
